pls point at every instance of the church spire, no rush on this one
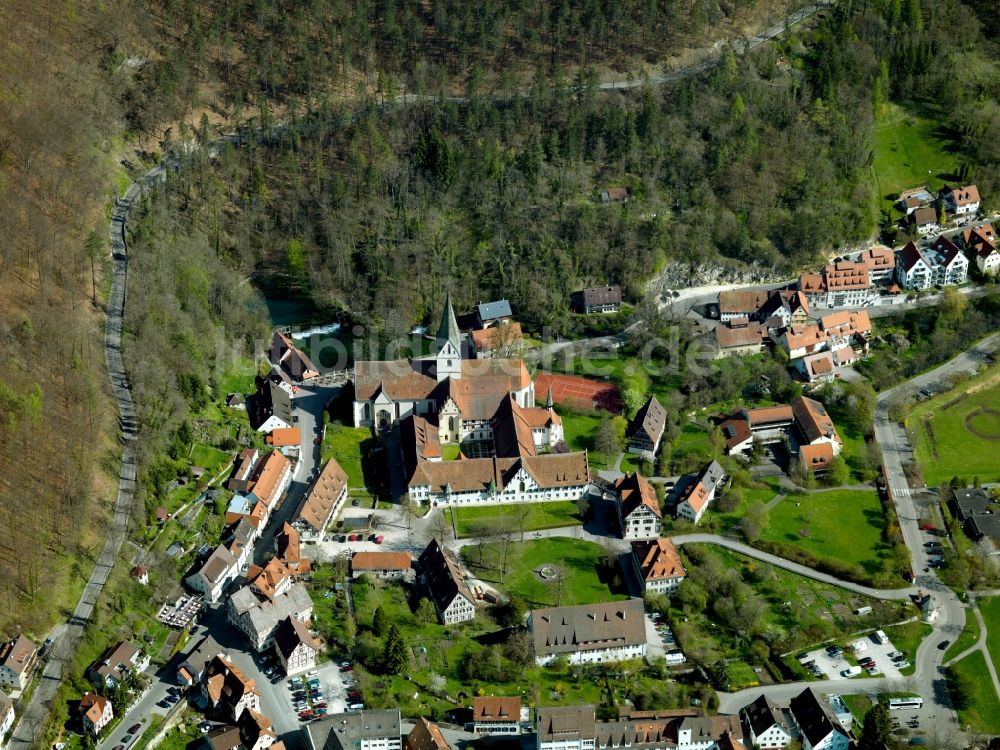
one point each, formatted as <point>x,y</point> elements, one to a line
<point>548,398</point>
<point>448,330</point>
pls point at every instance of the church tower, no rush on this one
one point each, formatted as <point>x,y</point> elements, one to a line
<point>449,344</point>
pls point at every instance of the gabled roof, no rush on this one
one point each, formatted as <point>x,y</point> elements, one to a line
<point>846,322</point>
<point>400,380</point>
<point>564,630</point>
<point>443,575</point>
<point>317,505</point>
<point>287,544</point>
<point>426,735</point>
<point>16,654</point>
<point>910,256</point>
<point>701,491</point>
<point>492,310</point>
<point>963,196</point>
<point>812,419</point>
<point>270,399</point>
<point>218,564</point>
<point>658,559</point>
<point>292,360</point>
<point>741,302</point>
<point>566,722</point>
<point>924,216</point>
<point>498,708</point>
<point>651,419</point>
<point>769,414</point>
<point>814,717</point>
<point>282,437</point>
<point>381,561</point>
<point>728,337</point>
<point>816,457</point>
<point>763,714</point>
<point>602,295</point>
<point>635,491</point>
<point>268,477</point>
<point>290,634</point>
<point>226,683</point>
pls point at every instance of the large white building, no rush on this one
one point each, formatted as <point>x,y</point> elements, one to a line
<point>576,728</point>
<point>356,730</point>
<point>639,515</point>
<point>589,633</point>
<point>484,407</point>
<point>942,263</point>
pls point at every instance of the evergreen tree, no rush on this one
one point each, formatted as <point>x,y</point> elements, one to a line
<point>876,733</point>
<point>379,622</point>
<point>395,656</point>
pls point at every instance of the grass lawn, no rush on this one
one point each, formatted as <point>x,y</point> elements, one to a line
<point>990,609</point>
<point>551,515</point>
<point>183,736</point>
<point>741,675</point>
<point>209,458</point>
<point>969,636</point>
<point>841,525</point>
<point>585,578</point>
<point>450,452</point>
<point>909,153</point>
<point>352,447</point>
<point>238,378</point>
<point>764,493</point>
<point>983,709</point>
<point>580,429</point>
<point>631,463</point>
<point>858,705</point>
<point>945,444</point>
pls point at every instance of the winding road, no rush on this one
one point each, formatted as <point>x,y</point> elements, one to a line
<point>30,729</point>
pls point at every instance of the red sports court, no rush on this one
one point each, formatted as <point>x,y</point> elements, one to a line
<point>581,393</point>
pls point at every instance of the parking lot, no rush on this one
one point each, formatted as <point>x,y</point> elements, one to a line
<point>660,641</point>
<point>833,665</point>
<point>323,690</point>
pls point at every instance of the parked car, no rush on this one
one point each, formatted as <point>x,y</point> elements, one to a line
<point>306,713</point>
<point>379,539</point>
<point>134,728</point>
<point>872,670</point>
<point>943,645</point>
<point>163,703</point>
<point>895,654</point>
<point>902,664</point>
<point>126,739</point>
<point>928,527</point>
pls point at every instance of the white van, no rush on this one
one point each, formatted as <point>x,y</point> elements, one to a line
<point>859,646</point>
<point>863,611</point>
<point>356,707</point>
<point>880,637</point>
<point>851,672</point>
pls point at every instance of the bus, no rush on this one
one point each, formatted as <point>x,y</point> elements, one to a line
<point>899,704</point>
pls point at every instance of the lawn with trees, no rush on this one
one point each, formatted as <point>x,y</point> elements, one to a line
<point>972,694</point>
<point>732,607</point>
<point>404,658</point>
<point>957,432</point>
<point>521,518</point>
<point>844,529</point>
<point>559,571</point>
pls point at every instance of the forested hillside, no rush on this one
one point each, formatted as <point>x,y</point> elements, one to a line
<point>254,56</point>
<point>765,161</point>
<point>56,119</point>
